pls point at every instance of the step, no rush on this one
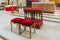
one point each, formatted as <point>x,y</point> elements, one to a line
<point>51,20</point>
<point>52,17</point>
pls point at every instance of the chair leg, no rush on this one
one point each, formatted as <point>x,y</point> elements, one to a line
<point>18,11</point>
<point>24,28</point>
<point>30,32</point>
<point>11,26</point>
<point>19,29</point>
<point>34,29</point>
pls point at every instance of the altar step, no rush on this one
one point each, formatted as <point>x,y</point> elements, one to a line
<point>51,18</point>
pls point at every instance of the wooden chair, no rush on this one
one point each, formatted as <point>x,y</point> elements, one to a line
<point>30,19</point>
<point>12,8</point>
<point>28,22</point>
<point>35,14</point>
<point>16,21</point>
<point>31,14</point>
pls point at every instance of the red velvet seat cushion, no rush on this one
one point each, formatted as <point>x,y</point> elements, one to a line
<point>17,20</point>
<point>14,7</point>
<point>29,8</point>
<point>9,8</point>
<point>27,22</point>
<point>38,23</point>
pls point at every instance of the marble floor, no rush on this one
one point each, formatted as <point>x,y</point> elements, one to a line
<point>48,31</point>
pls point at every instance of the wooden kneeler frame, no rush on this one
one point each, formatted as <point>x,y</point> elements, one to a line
<point>24,28</point>
<point>19,27</point>
<point>16,9</point>
<point>30,27</point>
<point>32,14</point>
<point>28,14</point>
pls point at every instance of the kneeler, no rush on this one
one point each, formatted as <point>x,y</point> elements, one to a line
<point>25,22</point>
<point>12,8</point>
<point>16,21</point>
<point>35,14</point>
<point>31,19</point>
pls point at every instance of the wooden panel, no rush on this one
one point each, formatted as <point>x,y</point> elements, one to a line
<point>34,5</point>
<point>47,7</point>
<point>51,8</point>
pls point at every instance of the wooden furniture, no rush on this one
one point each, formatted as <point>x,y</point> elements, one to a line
<point>16,21</point>
<point>12,7</point>
<point>31,20</point>
<point>25,22</point>
<point>48,7</point>
<point>34,14</point>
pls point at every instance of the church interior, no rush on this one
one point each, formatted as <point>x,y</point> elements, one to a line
<point>29,19</point>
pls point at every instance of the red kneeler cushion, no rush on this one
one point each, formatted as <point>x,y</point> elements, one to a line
<point>27,22</point>
<point>9,8</point>
<point>37,9</point>
<point>38,23</point>
<point>17,20</point>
